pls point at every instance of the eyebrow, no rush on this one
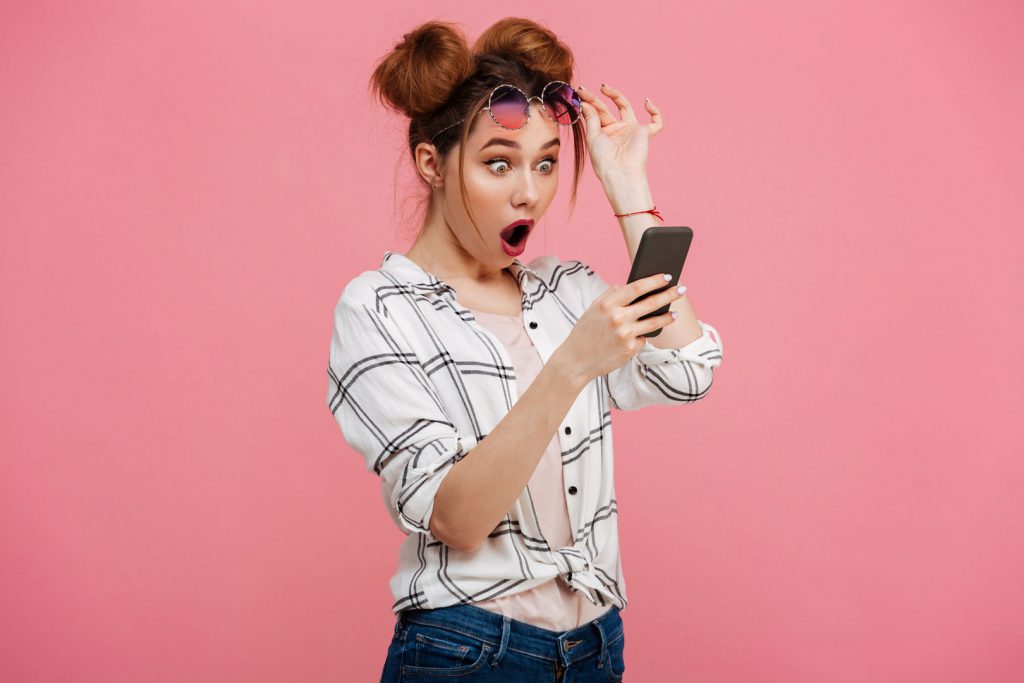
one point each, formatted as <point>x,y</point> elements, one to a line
<point>515,145</point>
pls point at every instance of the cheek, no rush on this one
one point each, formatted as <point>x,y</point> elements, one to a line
<point>484,191</point>
<point>550,185</point>
<point>484,186</point>
<point>478,177</point>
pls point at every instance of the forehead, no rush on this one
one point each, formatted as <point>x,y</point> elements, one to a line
<point>537,134</point>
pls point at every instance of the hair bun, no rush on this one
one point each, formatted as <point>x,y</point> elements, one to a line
<point>535,46</point>
<point>422,70</point>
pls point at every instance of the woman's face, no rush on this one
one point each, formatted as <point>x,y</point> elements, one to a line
<point>510,175</point>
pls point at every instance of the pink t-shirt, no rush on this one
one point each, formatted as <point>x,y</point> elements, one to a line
<point>553,604</point>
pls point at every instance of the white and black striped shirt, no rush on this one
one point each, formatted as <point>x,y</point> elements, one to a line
<point>415,383</point>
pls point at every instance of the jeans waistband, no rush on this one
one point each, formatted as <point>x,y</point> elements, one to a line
<point>506,633</point>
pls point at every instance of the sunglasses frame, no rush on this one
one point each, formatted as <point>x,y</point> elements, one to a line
<point>529,110</point>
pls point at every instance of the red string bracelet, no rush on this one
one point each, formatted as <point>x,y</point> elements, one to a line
<point>653,211</point>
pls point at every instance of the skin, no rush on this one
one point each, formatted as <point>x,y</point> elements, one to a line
<point>505,184</point>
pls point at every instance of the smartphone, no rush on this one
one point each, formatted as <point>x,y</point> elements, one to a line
<point>662,249</point>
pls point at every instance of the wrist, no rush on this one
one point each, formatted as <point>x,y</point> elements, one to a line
<point>623,176</point>
<point>628,193</point>
<point>568,372</point>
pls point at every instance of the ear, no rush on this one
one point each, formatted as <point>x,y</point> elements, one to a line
<point>428,164</point>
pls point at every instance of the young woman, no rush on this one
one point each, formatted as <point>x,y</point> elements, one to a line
<point>479,388</point>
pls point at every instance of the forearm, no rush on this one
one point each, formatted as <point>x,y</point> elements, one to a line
<point>481,487</point>
<point>629,193</point>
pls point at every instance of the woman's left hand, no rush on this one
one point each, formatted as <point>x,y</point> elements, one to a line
<point>617,147</point>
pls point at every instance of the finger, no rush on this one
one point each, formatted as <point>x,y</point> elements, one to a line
<point>653,323</point>
<point>591,119</point>
<point>626,112</point>
<point>653,302</point>
<point>656,122</point>
<point>629,292</point>
<point>599,106</point>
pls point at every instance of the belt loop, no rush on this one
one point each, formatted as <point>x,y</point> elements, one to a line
<point>604,644</point>
<point>506,628</point>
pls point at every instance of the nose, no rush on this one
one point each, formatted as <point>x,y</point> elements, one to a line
<point>526,191</point>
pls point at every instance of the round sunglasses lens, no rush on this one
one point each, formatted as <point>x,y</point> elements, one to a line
<point>562,103</point>
<point>509,108</point>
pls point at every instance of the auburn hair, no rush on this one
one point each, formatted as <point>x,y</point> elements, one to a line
<point>433,77</point>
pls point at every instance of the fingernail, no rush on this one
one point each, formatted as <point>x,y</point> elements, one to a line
<point>647,99</point>
<point>604,85</point>
<point>681,288</point>
<point>675,314</point>
<point>668,278</point>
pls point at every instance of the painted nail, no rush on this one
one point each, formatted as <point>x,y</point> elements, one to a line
<point>681,288</point>
<point>668,278</point>
<point>675,314</point>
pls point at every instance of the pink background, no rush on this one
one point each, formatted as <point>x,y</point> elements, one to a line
<point>187,187</point>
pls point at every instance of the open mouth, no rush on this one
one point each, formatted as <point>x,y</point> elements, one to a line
<point>516,233</point>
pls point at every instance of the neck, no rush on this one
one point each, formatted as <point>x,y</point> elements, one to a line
<point>438,251</point>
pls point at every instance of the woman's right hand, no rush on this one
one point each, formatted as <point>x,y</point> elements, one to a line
<point>608,333</point>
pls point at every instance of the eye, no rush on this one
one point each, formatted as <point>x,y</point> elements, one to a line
<point>550,161</point>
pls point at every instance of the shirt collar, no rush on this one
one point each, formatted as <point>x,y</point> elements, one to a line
<point>409,271</point>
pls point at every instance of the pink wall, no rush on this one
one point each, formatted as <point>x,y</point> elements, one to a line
<point>187,187</point>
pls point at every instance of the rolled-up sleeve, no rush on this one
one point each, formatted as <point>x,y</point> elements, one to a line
<point>388,411</point>
<point>657,376</point>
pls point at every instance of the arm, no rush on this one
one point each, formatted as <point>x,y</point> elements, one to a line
<point>660,376</point>
<point>631,192</point>
<point>410,443</point>
<point>435,480</point>
<point>675,366</point>
<point>480,489</point>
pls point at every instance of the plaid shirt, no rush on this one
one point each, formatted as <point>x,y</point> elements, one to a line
<point>414,383</point>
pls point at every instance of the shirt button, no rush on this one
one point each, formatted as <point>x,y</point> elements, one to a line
<point>568,430</point>
<point>572,490</point>
<point>533,325</point>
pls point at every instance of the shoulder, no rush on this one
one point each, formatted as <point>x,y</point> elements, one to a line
<point>363,292</point>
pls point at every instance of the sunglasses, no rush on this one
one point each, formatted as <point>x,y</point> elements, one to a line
<point>509,106</point>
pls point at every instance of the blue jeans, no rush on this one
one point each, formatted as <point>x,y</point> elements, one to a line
<point>473,644</point>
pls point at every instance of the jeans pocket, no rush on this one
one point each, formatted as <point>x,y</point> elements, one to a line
<point>437,651</point>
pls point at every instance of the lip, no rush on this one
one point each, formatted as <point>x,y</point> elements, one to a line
<point>521,247</point>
